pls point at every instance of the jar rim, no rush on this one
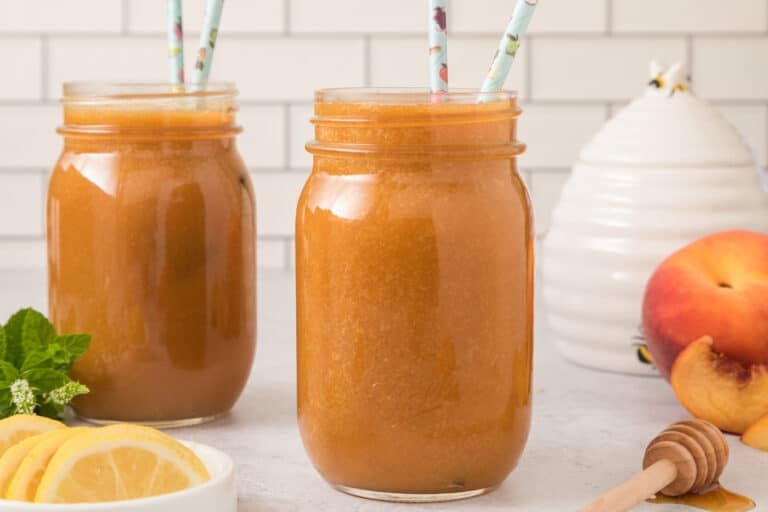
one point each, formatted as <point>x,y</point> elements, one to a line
<point>142,110</point>
<point>90,92</point>
<point>409,96</point>
<point>409,123</point>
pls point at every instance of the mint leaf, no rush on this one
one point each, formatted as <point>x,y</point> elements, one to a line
<point>75,346</point>
<point>34,365</point>
<point>13,327</point>
<point>3,342</point>
<point>59,357</point>
<point>8,374</point>
<point>36,359</point>
<point>36,332</point>
<point>27,330</point>
<point>5,401</point>
<point>45,380</point>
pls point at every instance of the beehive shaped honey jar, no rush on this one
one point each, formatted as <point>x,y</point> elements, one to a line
<point>666,170</point>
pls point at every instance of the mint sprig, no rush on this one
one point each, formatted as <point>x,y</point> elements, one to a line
<point>34,366</point>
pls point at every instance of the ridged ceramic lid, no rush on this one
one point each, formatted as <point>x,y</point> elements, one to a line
<point>668,126</point>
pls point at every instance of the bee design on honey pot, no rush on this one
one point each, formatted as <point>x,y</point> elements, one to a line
<point>641,349</point>
<point>671,80</point>
<point>657,81</point>
<point>643,354</point>
<point>679,88</point>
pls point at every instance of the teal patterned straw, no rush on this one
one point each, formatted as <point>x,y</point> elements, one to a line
<point>175,43</point>
<point>508,46</point>
<point>208,41</point>
<point>438,47</point>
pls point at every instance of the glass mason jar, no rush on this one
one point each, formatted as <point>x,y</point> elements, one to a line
<point>414,261</point>
<point>151,250</point>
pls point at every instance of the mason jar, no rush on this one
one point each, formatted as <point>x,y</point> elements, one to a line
<point>414,289</point>
<point>151,250</point>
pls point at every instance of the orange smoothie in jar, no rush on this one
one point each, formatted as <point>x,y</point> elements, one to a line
<point>151,249</point>
<point>414,288</point>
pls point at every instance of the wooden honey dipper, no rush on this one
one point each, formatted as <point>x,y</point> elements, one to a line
<point>688,456</point>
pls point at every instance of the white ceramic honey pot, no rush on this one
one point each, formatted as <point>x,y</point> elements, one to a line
<point>663,172</point>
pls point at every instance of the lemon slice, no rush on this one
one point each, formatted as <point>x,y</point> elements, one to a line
<point>21,426</point>
<point>10,460</point>
<point>24,482</point>
<point>120,462</point>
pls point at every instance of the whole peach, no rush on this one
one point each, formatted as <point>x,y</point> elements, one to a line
<point>717,287</point>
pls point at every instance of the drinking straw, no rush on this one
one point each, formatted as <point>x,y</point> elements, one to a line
<point>175,43</point>
<point>208,41</point>
<point>438,47</point>
<point>508,46</point>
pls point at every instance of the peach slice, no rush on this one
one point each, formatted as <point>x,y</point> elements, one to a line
<point>756,435</point>
<point>718,389</point>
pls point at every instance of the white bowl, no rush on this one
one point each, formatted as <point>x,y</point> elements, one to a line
<point>219,493</point>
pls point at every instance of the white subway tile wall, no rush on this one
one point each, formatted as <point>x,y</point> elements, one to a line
<point>552,16</point>
<point>22,194</point>
<point>399,62</point>
<point>73,16</point>
<point>555,133</point>
<point>242,16</point>
<point>22,65</point>
<point>583,60</point>
<point>597,68</point>
<point>695,16</point>
<point>731,68</point>
<point>546,188</point>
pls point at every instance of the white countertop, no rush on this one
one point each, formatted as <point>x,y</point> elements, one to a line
<point>589,428</point>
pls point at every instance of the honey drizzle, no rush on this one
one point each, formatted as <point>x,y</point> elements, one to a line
<point>716,500</point>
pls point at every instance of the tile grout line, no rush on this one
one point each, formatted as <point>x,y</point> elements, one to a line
<point>42,101</point>
<point>125,13</point>
<point>44,68</point>
<point>528,82</point>
<point>689,55</point>
<point>469,35</point>
<point>287,254</point>
<point>44,179</point>
<point>23,170</point>
<point>287,138</point>
<point>21,238</point>
<point>286,17</point>
<point>367,55</point>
